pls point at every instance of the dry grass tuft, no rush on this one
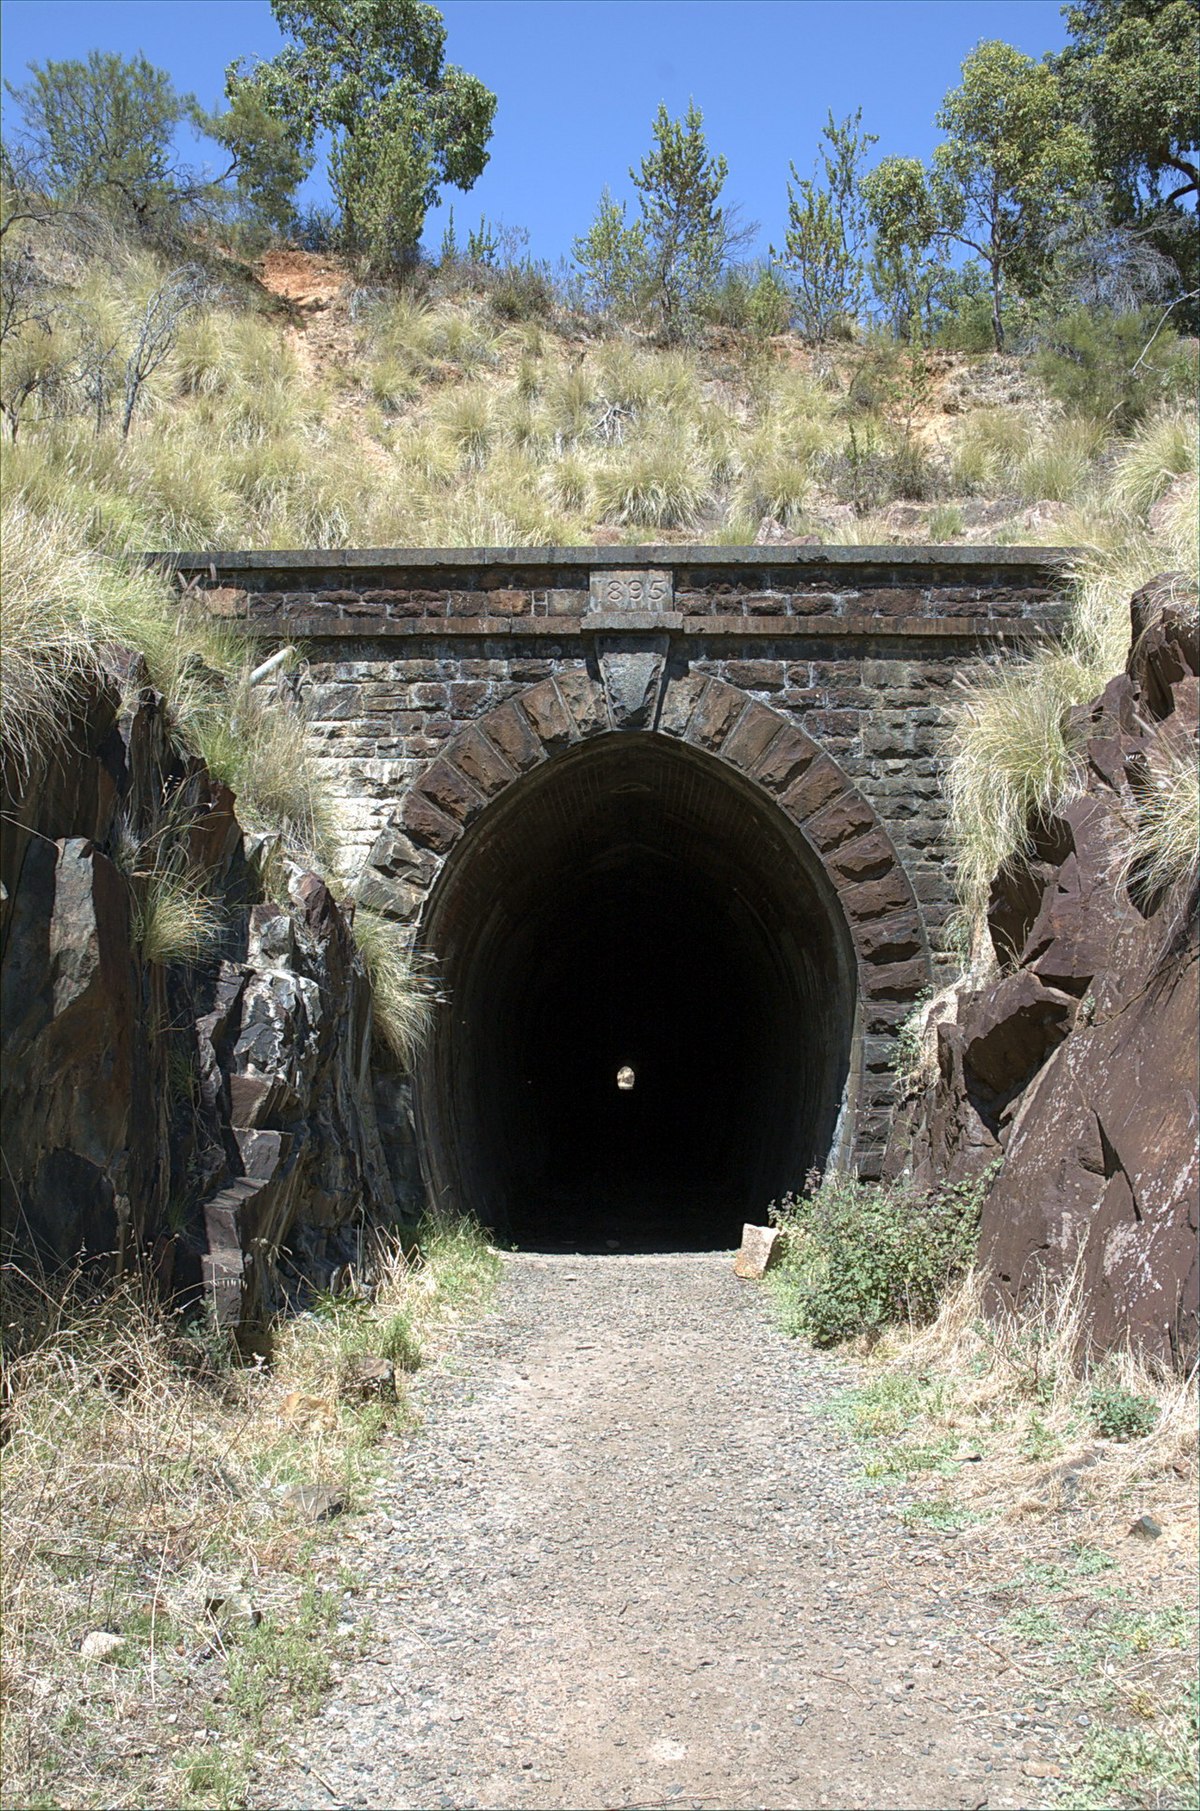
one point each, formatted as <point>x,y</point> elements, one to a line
<point>1011,758</point>
<point>1011,762</point>
<point>400,998</point>
<point>1027,1388</point>
<point>60,604</point>
<point>145,1496</point>
<point>1167,851</point>
<point>174,919</point>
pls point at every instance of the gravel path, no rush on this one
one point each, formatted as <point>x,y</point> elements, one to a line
<point>628,1561</point>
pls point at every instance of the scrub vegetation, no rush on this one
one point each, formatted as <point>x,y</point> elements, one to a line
<point>1038,1459</point>
<point>171,1599</point>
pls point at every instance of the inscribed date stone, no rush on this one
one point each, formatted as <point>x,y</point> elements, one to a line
<point>640,590</point>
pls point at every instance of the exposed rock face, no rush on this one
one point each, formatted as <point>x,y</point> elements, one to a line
<point>217,1118</point>
<point>1079,1065</point>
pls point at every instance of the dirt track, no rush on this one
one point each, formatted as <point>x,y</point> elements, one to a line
<point>627,1563</point>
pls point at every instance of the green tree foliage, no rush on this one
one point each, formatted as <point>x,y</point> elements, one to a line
<point>685,232</point>
<point>102,133</point>
<point>1009,167</point>
<point>907,275</point>
<point>403,122</point>
<point>612,257</point>
<point>825,243</point>
<point>668,262</point>
<point>1131,72</point>
<point>102,129</point>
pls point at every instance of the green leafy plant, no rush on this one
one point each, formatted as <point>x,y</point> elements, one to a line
<point>859,1255</point>
<point>1119,1414</point>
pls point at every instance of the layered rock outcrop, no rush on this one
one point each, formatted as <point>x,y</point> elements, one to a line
<point>1078,1064</point>
<point>213,1118</point>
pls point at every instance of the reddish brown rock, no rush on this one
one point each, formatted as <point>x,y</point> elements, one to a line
<point>1079,1064</point>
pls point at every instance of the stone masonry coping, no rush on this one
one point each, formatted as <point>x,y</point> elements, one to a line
<point>963,562</point>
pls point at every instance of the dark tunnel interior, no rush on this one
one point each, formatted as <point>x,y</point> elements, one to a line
<point>633,907</point>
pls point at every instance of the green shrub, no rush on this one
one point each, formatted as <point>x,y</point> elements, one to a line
<point>1099,364</point>
<point>400,1341</point>
<point>1120,1415</point>
<point>522,292</point>
<point>861,1254</point>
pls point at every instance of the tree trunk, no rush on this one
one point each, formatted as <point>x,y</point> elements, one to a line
<point>997,318</point>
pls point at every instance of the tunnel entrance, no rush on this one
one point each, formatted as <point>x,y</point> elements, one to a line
<point>651,1019</point>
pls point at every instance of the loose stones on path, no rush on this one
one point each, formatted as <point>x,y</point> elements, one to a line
<point>628,1562</point>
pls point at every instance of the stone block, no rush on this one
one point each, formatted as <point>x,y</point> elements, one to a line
<point>583,698</point>
<point>786,758</point>
<point>451,792</point>
<point>509,730</point>
<point>395,899</point>
<point>468,697</point>
<point>889,939</point>
<point>760,1250</point>
<point>427,826</point>
<point>895,980</point>
<point>715,715</point>
<point>631,683</point>
<point>679,702</point>
<point>548,714</point>
<point>877,898</point>
<point>751,737</point>
<point>845,817</point>
<point>756,675</point>
<point>866,858</point>
<point>482,763</point>
<point>818,786</point>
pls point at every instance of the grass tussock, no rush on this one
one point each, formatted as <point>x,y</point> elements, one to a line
<point>400,999</point>
<point>1166,854</point>
<point>174,919</point>
<point>64,604</point>
<point>146,1500</point>
<point>1012,756</point>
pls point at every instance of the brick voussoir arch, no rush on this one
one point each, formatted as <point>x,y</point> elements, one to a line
<point>708,714</point>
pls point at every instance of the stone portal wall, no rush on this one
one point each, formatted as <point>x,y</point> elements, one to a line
<point>858,647</point>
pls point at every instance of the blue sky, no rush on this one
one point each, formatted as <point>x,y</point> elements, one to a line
<point>579,81</point>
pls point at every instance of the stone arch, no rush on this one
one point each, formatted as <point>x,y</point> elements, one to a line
<point>775,768</point>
